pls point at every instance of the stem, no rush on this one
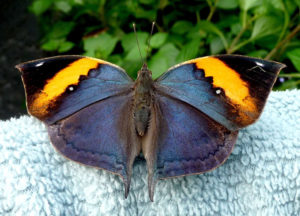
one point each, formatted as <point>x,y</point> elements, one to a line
<point>286,23</point>
<point>285,40</point>
<point>244,19</point>
<point>235,40</point>
<point>212,9</point>
<point>159,28</point>
<point>240,45</point>
<point>231,48</point>
<point>290,75</point>
<point>198,16</point>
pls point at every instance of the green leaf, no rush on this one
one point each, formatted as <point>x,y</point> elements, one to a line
<point>163,4</point>
<point>176,39</point>
<point>163,59</point>
<point>267,42</point>
<point>147,2</point>
<point>116,59</point>
<point>59,45</point>
<point>147,14</point>
<point>294,56</point>
<point>40,6</point>
<point>64,6</point>
<point>65,46</point>
<point>60,29</point>
<point>128,41</point>
<point>209,27</point>
<point>158,65</point>
<point>80,2</point>
<point>265,26</point>
<point>274,5</point>
<point>134,54</point>
<point>236,28</point>
<point>227,4</point>
<point>216,46</point>
<point>51,45</point>
<point>248,4</point>
<point>258,53</point>
<point>189,51</point>
<point>100,46</point>
<point>158,39</point>
<point>181,27</point>
<point>291,6</point>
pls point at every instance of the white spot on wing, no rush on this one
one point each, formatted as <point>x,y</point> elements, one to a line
<point>39,64</point>
<point>218,91</point>
<point>259,64</point>
<point>71,88</point>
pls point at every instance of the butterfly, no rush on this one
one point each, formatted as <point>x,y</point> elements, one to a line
<point>185,122</point>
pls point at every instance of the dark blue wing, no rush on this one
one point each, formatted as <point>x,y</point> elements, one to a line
<point>188,141</point>
<point>100,135</point>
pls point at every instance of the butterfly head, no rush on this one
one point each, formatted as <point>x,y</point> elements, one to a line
<point>145,73</point>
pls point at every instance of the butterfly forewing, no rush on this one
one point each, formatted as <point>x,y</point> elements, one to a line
<point>60,86</point>
<point>230,89</point>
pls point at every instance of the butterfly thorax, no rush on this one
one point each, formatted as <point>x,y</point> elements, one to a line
<point>142,100</point>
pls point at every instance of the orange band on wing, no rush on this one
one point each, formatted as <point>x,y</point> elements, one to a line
<point>57,85</point>
<point>229,80</point>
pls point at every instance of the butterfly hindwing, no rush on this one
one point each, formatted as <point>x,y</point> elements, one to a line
<point>230,89</point>
<point>59,86</point>
<point>189,142</point>
<point>101,135</point>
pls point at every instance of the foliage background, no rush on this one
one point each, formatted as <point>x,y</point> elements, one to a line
<point>184,30</point>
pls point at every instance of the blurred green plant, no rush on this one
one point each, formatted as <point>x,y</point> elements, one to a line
<point>266,29</point>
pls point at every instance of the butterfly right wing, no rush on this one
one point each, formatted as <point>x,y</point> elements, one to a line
<point>231,89</point>
<point>184,141</point>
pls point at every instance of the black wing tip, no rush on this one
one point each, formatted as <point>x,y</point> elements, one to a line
<point>234,59</point>
<point>39,62</point>
<point>20,67</point>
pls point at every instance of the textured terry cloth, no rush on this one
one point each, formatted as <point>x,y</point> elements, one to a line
<point>261,176</point>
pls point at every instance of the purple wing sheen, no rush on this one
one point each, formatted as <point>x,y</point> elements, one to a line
<point>230,89</point>
<point>101,135</point>
<point>59,86</point>
<point>189,142</point>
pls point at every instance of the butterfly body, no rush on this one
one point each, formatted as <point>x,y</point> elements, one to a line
<point>143,98</point>
<point>185,122</point>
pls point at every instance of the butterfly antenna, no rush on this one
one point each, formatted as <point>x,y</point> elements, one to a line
<point>137,41</point>
<point>148,47</point>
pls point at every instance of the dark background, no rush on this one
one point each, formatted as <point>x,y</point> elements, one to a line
<point>19,36</point>
<point>184,30</point>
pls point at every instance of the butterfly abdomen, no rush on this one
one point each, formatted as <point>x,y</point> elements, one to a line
<point>142,100</point>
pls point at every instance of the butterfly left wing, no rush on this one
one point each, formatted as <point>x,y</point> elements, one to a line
<point>86,105</point>
<point>59,86</point>
<point>231,89</point>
